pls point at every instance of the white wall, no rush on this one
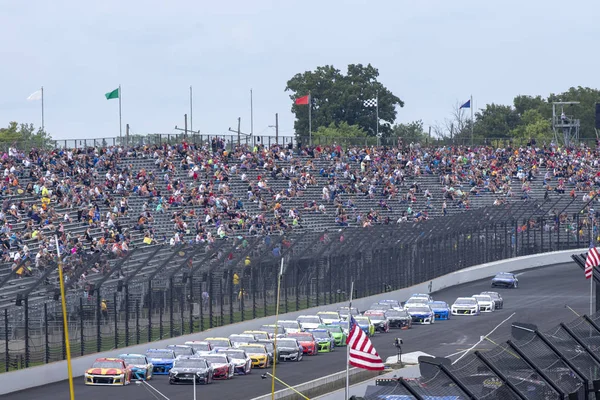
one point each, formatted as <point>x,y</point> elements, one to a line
<point>57,371</point>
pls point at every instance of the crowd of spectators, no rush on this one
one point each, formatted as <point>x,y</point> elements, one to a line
<point>82,197</point>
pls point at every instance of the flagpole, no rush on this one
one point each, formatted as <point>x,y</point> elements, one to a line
<point>191,111</point>
<point>120,119</point>
<point>42,108</point>
<point>348,347</point>
<point>275,354</point>
<point>251,113</point>
<point>472,106</point>
<point>309,119</point>
<point>377,114</point>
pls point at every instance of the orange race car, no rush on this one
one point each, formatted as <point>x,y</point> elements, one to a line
<point>108,372</point>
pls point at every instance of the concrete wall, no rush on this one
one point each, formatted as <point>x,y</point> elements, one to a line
<point>57,371</point>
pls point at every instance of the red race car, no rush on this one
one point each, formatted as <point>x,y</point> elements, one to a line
<point>108,371</point>
<point>307,341</point>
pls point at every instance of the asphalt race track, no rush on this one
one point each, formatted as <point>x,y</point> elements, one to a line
<point>540,299</point>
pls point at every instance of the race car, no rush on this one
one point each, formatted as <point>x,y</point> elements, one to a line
<point>223,366</point>
<point>329,316</point>
<point>325,341</point>
<point>239,339</point>
<point>270,346</point>
<point>486,303</point>
<point>108,371</point>
<point>242,363</point>
<point>399,319</point>
<point>257,353</point>
<point>309,321</point>
<point>161,359</point>
<point>440,309</point>
<point>365,324</point>
<point>378,319</point>
<point>291,326</point>
<point>186,369</point>
<point>422,296</point>
<point>421,314</point>
<point>498,300</point>
<point>181,349</point>
<point>141,368</point>
<point>344,311</point>
<point>270,329</point>
<point>289,349</point>
<point>336,332</point>
<point>306,340</point>
<point>219,342</point>
<point>258,335</point>
<point>506,280</point>
<point>380,307</point>
<point>416,301</point>
<point>344,325</point>
<point>201,348</point>
<point>465,306</point>
<point>395,304</point>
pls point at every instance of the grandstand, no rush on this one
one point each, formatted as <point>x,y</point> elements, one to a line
<point>169,237</point>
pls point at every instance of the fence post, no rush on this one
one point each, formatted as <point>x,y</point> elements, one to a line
<point>81,335</point>
<point>229,285</point>
<point>6,350</point>
<point>137,321</point>
<point>150,308</point>
<point>98,322</point>
<point>46,336</point>
<point>116,320</point>
<point>254,290</point>
<point>221,303</point>
<point>210,299</point>
<point>160,318</point>
<point>171,314</point>
<point>296,288</point>
<point>27,332</point>
<point>126,315</point>
<point>318,270</point>
<point>181,311</point>
<point>243,291</point>
<point>285,293</point>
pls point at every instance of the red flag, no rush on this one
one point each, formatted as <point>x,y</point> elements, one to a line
<point>362,354</point>
<point>592,260</point>
<point>303,100</point>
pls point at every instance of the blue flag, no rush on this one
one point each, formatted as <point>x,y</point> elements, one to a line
<point>466,105</point>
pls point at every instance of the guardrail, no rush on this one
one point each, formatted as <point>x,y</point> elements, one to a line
<point>45,374</point>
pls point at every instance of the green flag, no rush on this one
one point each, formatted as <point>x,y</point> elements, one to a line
<point>112,95</point>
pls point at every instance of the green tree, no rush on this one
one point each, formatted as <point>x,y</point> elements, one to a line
<point>340,133</point>
<point>24,136</point>
<point>411,132</point>
<point>533,126</point>
<point>495,121</point>
<point>338,98</point>
<point>585,111</point>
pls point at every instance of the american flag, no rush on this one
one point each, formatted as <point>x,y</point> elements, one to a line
<point>592,260</point>
<point>362,354</point>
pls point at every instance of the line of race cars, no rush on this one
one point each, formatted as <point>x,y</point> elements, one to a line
<point>289,340</point>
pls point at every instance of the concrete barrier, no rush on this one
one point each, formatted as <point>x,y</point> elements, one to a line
<point>57,371</point>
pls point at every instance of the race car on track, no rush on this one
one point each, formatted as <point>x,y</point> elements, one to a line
<point>219,342</point>
<point>141,368</point>
<point>270,346</point>
<point>306,340</point>
<point>325,341</point>
<point>223,366</point>
<point>378,319</point>
<point>186,369</point>
<point>337,333</point>
<point>365,324</point>
<point>258,354</point>
<point>239,339</point>
<point>498,300</point>
<point>421,314</point>
<point>399,319</point>
<point>343,325</point>
<point>465,306</point>
<point>242,363</point>
<point>506,280</point>
<point>288,349</point>
<point>422,296</point>
<point>344,311</point>
<point>380,307</point>
<point>291,326</point>
<point>181,349</point>
<point>329,316</point>
<point>416,301</point>
<point>108,371</point>
<point>395,304</point>
<point>200,347</point>
<point>258,335</point>
<point>440,309</point>
<point>486,303</point>
<point>161,359</point>
<point>270,329</point>
<point>309,321</point>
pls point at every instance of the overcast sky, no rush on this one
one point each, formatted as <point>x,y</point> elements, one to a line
<point>431,53</point>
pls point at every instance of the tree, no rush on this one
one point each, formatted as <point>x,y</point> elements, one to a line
<point>411,132</point>
<point>495,121</point>
<point>338,98</point>
<point>533,126</point>
<point>24,136</point>
<point>341,132</point>
<point>585,111</point>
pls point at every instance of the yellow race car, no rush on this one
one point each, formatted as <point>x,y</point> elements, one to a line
<point>108,372</point>
<point>258,354</point>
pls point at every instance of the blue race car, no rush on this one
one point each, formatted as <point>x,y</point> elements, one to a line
<point>421,314</point>
<point>161,359</point>
<point>440,309</point>
<point>141,368</point>
<point>506,280</point>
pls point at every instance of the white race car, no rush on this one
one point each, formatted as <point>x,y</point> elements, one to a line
<point>486,303</point>
<point>465,306</point>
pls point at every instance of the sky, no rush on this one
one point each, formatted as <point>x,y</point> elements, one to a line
<point>430,53</point>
